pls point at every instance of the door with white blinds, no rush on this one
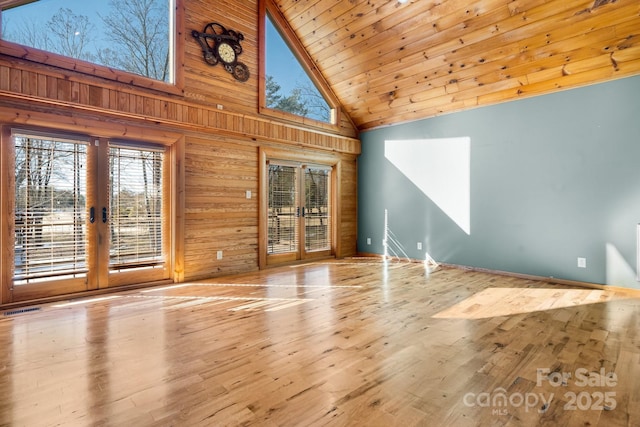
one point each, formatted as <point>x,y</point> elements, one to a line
<point>299,211</point>
<point>50,223</point>
<point>86,214</point>
<point>317,209</point>
<point>138,247</point>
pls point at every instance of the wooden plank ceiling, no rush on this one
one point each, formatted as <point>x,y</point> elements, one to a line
<point>390,62</point>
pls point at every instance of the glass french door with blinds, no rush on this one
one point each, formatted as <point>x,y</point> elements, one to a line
<point>87,214</point>
<point>299,211</point>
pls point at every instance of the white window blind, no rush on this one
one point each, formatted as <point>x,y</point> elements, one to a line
<point>284,211</point>
<point>50,213</point>
<point>317,208</point>
<point>135,207</point>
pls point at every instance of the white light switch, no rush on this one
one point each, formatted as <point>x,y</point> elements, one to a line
<point>248,194</point>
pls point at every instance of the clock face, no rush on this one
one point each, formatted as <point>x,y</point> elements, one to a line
<point>226,53</point>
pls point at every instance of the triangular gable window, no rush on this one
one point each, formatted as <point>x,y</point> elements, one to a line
<point>289,88</point>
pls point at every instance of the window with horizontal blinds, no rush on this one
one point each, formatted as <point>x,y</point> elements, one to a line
<point>317,208</point>
<point>135,206</point>
<point>284,210</point>
<point>50,208</point>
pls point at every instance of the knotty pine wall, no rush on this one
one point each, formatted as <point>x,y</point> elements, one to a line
<point>212,117</point>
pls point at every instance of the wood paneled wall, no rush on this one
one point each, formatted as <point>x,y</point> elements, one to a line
<point>214,116</point>
<point>218,215</point>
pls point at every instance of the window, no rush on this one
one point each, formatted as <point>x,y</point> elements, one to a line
<point>289,87</point>
<point>317,208</point>
<point>136,36</point>
<point>50,196</point>
<point>135,207</point>
<point>284,211</point>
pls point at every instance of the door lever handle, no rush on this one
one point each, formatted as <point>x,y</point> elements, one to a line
<point>92,215</point>
<point>104,215</point>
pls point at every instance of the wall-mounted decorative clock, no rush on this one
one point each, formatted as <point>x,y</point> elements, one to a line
<point>222,45</point>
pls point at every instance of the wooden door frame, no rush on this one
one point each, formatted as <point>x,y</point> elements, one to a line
<point>98,132</point>
<point>301,156</point>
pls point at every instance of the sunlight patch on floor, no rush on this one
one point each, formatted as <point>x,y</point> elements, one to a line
<point>86,301</point>
<point>246,303</point>
<point>495,302</point>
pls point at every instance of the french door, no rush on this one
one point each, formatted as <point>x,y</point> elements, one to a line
<point>87,213</point>
<point>299,220</point>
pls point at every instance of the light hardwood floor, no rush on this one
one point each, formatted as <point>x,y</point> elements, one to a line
<point>346,342</point>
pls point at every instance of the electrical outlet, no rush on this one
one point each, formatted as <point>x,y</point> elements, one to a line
<point>219,255</point>
<point>368,240</point>
<point>419,246</point>
<point>582,262</point>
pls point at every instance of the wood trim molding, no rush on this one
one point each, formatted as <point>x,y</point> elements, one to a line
<point>7,179</point>
<point>179,115</point>
<point>547,279</point>
<point>263,187</point>
<point>178,208</point>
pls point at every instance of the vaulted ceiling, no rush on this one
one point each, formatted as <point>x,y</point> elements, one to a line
<point>390,62</point>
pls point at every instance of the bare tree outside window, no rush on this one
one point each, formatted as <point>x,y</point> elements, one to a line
<point>138,32</point>
<point>65,33</point>
<point>288,86</point>
<point>128,35</point>
<point>49,207</point>
<point>70,34</point>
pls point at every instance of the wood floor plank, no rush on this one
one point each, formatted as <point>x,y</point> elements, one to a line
<point>343,342</point>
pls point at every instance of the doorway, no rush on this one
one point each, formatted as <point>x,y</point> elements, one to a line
<point>299,219</point>
<point>298,206</point>
<point>87,213</point>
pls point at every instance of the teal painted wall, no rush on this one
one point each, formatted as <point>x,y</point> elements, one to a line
<point>551,178</point>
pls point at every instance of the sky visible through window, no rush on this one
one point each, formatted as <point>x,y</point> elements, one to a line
<point>129,35</point>
<point>37,14</point>
<point>281,63</point>
<point>288,74</point>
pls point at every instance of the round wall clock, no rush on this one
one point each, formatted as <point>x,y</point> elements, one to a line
<point>222,45</point>
<point>226,53</point>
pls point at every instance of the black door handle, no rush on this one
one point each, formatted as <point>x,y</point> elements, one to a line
<point>92,215</point>
<point>104,215</point>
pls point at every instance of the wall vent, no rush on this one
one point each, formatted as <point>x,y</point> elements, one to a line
<point>21,310</point>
